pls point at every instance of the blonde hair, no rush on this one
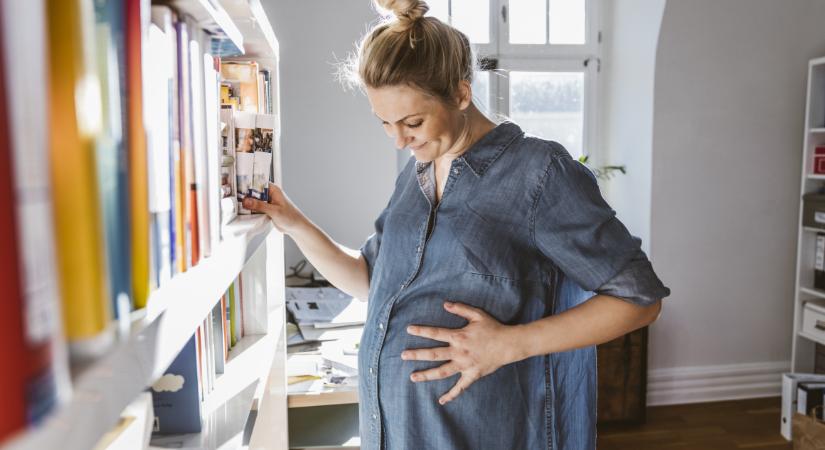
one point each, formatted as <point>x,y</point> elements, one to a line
<point>413,50</point>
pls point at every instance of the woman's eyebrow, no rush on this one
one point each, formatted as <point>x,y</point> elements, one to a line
<point>399,120</point>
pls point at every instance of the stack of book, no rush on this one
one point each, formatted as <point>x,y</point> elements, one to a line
<point>114,171</point>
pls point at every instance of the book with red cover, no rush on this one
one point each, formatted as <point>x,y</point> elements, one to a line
<point>36,375</point>
<point>13,412</point>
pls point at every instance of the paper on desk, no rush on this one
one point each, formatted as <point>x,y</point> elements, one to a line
<point>349,333</point>
<point>298,365</point>
<point>325,307</point>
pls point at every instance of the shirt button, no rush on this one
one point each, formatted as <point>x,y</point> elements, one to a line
<point>455,171</point>
<point>372,371</point>
<point>380,326</point>
<point>374,417</point>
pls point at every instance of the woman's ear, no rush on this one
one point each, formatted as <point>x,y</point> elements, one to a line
<point>464,94</point>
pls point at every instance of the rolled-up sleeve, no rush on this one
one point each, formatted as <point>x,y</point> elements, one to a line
<point>576,229</point>
<point>372,245</point>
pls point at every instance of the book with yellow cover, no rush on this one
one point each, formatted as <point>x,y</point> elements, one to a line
<point>137,16</point>
<point>74,122</point>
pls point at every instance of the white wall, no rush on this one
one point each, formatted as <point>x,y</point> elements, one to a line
<point>727,141</point>
<point>631,33</point>
<point>338,165</point>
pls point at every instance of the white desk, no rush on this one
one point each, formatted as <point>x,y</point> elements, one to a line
<point>323,417</point>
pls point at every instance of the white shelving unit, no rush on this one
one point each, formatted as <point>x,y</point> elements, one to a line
<point>249,404</point>
<point>802,359</point>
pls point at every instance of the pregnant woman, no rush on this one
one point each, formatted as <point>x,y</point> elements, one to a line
<point>493,272</point>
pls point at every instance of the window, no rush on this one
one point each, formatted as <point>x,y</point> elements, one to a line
<point>542,59</point>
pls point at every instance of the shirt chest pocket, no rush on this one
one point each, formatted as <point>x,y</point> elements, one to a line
<point>495,244</point>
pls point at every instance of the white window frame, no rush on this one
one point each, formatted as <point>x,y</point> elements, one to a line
<point>584,58</point>
<point>501,84</point>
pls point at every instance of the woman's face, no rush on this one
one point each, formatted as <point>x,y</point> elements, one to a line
<point>417,121</point>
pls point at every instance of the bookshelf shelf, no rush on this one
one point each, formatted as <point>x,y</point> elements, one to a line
<point>103,389</point>
<point>812,292</point>
<point>816,176</point>
<point>258,36</point>
<point>809,337</point>
<point>817,130</point>
<point>213,18</point>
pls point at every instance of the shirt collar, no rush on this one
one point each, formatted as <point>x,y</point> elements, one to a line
<point>486,150</point>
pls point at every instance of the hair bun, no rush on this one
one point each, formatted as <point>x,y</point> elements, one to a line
<point>406,11</point>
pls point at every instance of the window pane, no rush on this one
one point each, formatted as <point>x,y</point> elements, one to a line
<point>549,105</point>
<point>567,19</point>
<point>481,91</point>
<point>473,18</point>
<point>527,21</point>
<point>439,9</point>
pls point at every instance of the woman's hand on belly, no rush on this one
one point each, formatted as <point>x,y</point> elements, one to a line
<point>476,350</point>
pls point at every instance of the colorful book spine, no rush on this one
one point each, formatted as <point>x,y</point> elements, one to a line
<point>73,128</point>
<point>36,376</point>
<point>112,162</point>
<point>136,23</point>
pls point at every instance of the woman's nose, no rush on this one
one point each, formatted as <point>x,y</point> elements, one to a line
<point>401,139</point>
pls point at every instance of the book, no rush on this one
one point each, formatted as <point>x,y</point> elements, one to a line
<point>189,188</point>
<point>213,147</point>
<point>159,151</point>
<point>229,196</point>
<point>74,123</point>
<point>219,345</point>
<point>244,155</point>
<point>36,379</point>
<point>199,148</point>
<point>262,161</point>
<point>12,332</point>
<point>137,21</point>
<point>112,161</point>
<point>176,395</point>
<point>236,329</point>
<point>233,315</point>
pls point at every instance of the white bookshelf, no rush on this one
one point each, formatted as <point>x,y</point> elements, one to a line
<point>802,359</point>
<point>248,403</point>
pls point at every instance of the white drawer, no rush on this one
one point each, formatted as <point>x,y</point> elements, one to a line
<point>813,321</point>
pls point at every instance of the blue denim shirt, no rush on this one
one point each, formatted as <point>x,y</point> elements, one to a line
<point>521,232</point>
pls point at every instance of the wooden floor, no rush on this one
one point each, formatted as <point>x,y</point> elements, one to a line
<point>740,424</point>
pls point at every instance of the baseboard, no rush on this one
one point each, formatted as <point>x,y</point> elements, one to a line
<point>715,383</point>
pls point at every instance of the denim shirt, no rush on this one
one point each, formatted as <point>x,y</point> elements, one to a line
<point>521,232</point>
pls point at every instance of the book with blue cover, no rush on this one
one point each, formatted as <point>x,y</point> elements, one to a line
<point>176,395</point>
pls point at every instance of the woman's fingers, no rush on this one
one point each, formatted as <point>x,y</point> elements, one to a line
<point>463,383</point>
<point>466,311</point>
<point>427,354</point>
<point>256,205</point>
<point>437,373</point>
<point>435,333</point>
